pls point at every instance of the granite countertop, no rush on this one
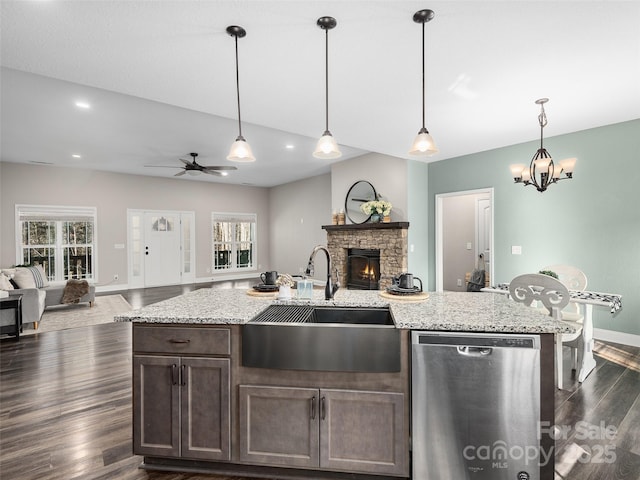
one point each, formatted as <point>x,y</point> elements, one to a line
<point>449,311</point>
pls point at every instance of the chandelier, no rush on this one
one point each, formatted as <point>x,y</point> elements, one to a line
<point>542,172</point>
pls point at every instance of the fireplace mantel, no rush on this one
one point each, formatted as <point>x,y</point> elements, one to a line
<point>366,226</point>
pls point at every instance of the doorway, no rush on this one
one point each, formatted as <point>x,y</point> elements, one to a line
<point>161,248</point>
<point>464,236</point>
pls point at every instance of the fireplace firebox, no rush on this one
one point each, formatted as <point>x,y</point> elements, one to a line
<point>363,269</point>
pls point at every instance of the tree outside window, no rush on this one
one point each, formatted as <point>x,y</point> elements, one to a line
<point>61,239</point>
<point>234,241</point>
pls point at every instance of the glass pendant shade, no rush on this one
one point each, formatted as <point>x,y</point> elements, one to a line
<point>241,151</point>
<point>327,147</point>
<point>423,145</point>
<point>568,164</point>
<point>193,173</point>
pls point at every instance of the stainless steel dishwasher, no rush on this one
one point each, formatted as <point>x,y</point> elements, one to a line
<point>475,406</point>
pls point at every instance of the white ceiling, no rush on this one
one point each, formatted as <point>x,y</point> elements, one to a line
<point>160,78</point>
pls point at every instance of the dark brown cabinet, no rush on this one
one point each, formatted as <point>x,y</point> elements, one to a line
<point>341,430</point>
<point>180,403</point>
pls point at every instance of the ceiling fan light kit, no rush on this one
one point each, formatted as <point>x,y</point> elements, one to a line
<point>240,150</point>
<point>327,147</point>
<point>542,172</point>
<point>423,145</point>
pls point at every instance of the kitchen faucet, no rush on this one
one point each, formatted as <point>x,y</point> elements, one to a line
<point>330,288</point>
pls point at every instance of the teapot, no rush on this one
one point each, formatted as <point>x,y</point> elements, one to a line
<point>406,281</point>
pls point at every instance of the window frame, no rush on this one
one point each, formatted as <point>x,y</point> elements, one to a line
<point>58,215</point>
<point>234,218</point>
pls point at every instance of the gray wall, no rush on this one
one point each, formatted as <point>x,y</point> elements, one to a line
<point>112,194</point>
<point>388,175</point>
<point>297,211</point>
<point>590,222</point>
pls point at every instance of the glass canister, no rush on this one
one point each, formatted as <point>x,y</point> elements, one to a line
<point>305,289</point>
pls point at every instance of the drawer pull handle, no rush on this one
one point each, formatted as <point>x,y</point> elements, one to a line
<point>178,340</point>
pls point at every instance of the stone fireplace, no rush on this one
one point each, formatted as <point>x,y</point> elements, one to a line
<point>391,239</point>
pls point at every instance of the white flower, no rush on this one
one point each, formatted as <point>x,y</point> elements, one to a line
<point>379,207</point>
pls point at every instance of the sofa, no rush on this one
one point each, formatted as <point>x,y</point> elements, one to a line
<point>36,296</point>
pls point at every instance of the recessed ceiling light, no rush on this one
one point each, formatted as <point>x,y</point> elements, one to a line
<point>289,146</point>
<point>83,105</point>
<point>75,155</point>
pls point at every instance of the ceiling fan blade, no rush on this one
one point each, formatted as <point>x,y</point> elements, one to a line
<point>162,166</point>
<point>213,172</point>
<point>186,162</point>
<point>179,174</point>
<point>219,168</point>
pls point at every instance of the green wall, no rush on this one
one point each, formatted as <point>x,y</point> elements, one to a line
<point>591,222</point>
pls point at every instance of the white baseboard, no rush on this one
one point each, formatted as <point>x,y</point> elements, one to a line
<point>616,337</point>
<point>112,288</point>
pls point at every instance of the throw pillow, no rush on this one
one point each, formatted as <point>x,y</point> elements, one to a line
<point>24,278</point>
<point>31,277</point>
<point>5,284</point>
<point>39,276</point>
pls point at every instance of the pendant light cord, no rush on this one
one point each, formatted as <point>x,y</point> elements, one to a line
<point>238,89</point>
<point>326,79</point>
<point>423,81</point>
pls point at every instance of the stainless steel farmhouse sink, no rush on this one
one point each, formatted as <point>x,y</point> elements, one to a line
<point>344,339</point>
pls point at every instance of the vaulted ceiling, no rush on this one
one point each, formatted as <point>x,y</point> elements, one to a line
<point>160,79</point>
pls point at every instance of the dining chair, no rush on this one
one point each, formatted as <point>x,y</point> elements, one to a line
<point>534,288</point>
<point>574,279</point>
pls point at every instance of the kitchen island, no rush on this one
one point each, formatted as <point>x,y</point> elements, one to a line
<point>198,408</point>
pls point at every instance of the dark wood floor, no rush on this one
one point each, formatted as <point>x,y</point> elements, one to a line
<point>65,407</point>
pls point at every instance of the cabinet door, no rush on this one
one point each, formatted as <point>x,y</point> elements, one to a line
<point>362,431</point>
<point>156,413</point>
<point>205,408</point>
<point>279,426</point>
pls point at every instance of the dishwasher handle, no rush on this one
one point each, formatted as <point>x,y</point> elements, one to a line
<point>475,351</point>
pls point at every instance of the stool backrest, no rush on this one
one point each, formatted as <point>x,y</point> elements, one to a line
<point>532,287</point>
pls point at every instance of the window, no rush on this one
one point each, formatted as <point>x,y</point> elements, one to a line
<point>61,239</point>
<point>234,241</point>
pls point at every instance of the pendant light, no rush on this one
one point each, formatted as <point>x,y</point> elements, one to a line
<point>240,150</point>
<point>423,145</point>
<point>327,146</point>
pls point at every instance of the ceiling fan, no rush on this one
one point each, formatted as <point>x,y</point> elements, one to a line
<point>194,168</point>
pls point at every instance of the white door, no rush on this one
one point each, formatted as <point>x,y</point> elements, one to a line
<point>483,229</point>
<point>161,254</point>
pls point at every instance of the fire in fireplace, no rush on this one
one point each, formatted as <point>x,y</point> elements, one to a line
<point>363,269</point>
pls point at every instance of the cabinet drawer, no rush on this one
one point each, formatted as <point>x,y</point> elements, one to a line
<point>182,340</point>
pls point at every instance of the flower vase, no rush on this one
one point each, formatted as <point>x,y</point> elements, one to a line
<point>375,218</point>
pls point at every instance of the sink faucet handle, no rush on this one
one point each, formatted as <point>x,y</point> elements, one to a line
<point>337,275</point>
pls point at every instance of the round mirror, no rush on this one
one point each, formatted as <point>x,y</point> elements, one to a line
<point>359,193</point>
